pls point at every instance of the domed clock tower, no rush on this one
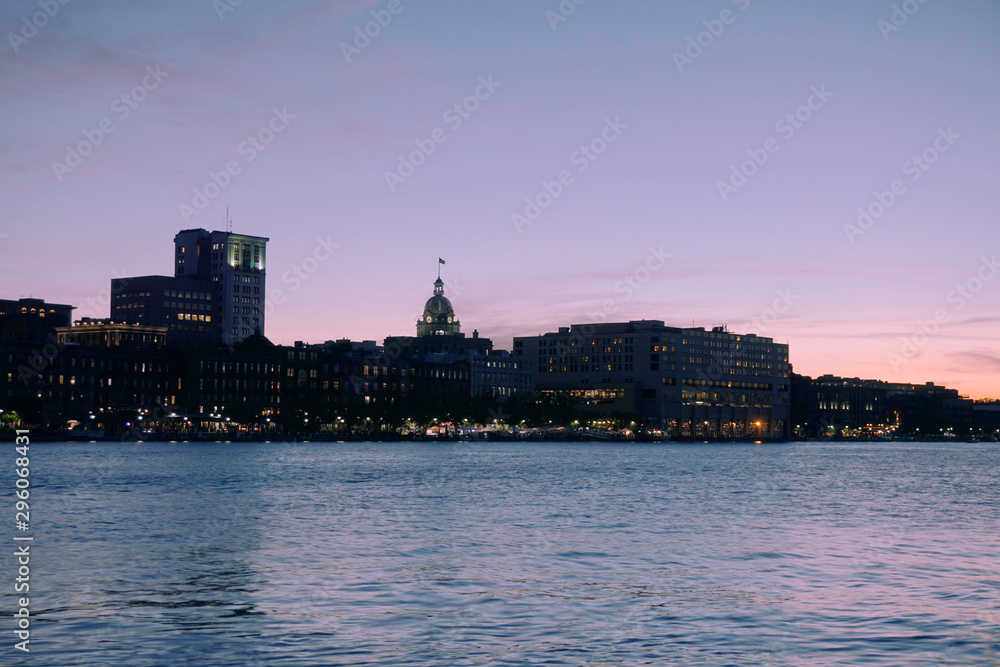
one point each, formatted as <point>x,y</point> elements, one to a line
<point>439,316</point>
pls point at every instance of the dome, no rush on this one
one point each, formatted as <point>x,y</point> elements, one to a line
<point>439,315</point>
<point>438,305</point>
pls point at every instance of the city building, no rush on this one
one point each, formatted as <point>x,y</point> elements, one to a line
<point>686,382</point>
<point>59,381</point>
<point>190,309</point>
<point>440,347</point>
<point>499,374</point>
<point>439,331</point>
<point>439,315</point>
<point>31,319</point>
<point>237,262</point>
<point>241,383</point>
<point>986,419</point>
<point>831,404</point>
<point>216,294</point>
<point>108,333</point>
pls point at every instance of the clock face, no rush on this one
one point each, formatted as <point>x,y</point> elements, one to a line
<point>449,320</point>
<point>428,318</point>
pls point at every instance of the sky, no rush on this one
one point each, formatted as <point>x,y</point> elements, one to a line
<point>820,173</point>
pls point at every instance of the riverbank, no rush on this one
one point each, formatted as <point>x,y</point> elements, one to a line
<point>492,436</point>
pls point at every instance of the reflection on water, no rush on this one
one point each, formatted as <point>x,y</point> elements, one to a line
<point>502,554</point>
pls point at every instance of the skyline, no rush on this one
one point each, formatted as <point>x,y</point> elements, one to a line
<point>592,165</point>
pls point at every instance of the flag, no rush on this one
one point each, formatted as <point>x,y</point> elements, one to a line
<point>440,261</point>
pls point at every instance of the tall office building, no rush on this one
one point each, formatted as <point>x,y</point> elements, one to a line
<point>237,263</point>
<point>216,294</point>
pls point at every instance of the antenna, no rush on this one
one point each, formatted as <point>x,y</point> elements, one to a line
<point>229,221</point>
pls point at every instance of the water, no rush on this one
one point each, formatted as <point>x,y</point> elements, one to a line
<point>511,554</point>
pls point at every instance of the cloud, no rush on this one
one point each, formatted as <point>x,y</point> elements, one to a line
<point>974,361</point>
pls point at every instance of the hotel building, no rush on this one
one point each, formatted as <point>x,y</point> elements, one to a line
<point>687,382</point>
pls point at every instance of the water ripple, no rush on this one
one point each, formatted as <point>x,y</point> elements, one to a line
<point>293,554</point>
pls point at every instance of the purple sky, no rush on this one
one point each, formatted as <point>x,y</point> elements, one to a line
<point>779,252</point>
